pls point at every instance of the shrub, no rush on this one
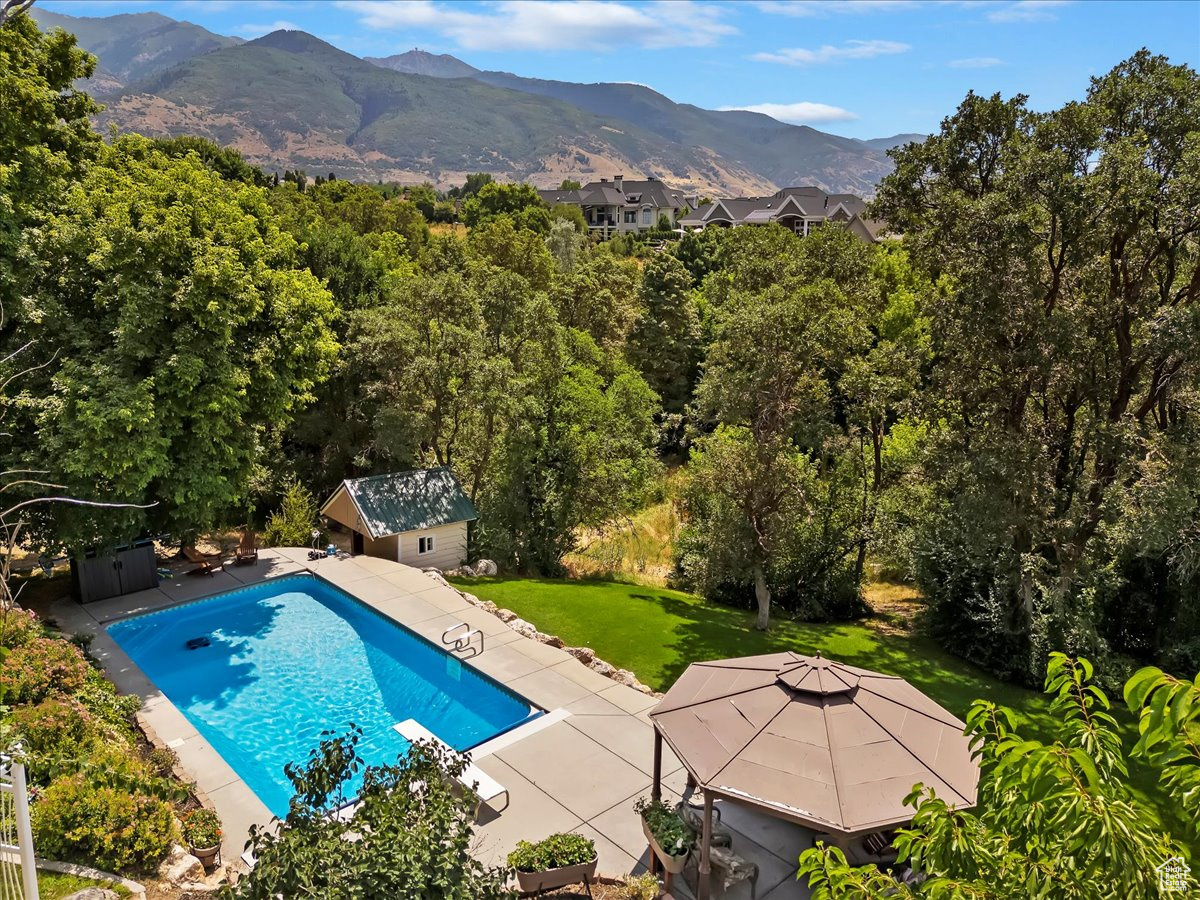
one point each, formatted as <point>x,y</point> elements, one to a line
<point>55,728</point>
<point>102,826</point>
<point>554,852</point>
<point>42,666</point>
<point>113,712</point>
<point>640,887</point>
<point>668,829</point>
<point>202,828</point>
<point>18,627</point>
<point>293,524</point>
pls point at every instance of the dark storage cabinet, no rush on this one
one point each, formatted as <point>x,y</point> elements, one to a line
<point>121,572</point>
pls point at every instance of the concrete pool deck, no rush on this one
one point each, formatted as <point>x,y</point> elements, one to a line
<point>582,772</point>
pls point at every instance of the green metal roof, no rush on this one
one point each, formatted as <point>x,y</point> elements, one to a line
<point>409,501</point>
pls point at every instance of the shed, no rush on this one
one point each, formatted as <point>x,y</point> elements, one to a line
<point>418,518</point>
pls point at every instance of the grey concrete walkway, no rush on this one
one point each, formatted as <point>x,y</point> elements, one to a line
<point>582,773</point>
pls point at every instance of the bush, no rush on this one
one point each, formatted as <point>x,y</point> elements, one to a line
<point>202,828</point>
<point>102,826</point>
<point>55,728</point>
<point>553,852</point>
<point>113,712</point>
<point>40,667</point>
<point>293,524</point>
<point>18,627</point>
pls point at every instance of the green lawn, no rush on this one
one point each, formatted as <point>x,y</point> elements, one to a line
<point>656,633</point>
<point>53,886</point>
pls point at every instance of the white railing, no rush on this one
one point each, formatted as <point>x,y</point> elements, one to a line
<point>18,873</point>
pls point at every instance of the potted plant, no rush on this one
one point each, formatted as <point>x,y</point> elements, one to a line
<point>669,836</point>
<point>202,831</point>
<point>555,862</point>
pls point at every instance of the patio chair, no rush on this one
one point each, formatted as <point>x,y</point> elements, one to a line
<point>247,551</point>
<point>693,817</point>
<point>205,562</point>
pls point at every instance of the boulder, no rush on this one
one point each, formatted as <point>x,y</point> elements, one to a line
<point>584,654</point>
<point>93,893</point>
<point>471,598</point>
<point>180,867</point>
<point>604,668</point>
<point>486,567</point>
<point>520,626</point>
<point>505,615</point>
<point>489,606</point>
<point>625,677</point>
<point>553,640</point>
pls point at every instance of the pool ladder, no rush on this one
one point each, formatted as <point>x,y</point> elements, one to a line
<point>462,641</point>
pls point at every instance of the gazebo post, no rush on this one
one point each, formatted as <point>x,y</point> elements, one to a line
<point>656,787</point>
<point>703,887</point>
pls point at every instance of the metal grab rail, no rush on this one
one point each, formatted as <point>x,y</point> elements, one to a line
<point>461,643</point>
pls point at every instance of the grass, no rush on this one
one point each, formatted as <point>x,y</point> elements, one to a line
<point>55,886</point>
<point>639,549</point>
<point>656,633</point>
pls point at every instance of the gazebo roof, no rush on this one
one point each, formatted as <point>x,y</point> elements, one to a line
<point>830,746</point>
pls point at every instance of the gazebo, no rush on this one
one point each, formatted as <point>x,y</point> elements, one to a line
<point>812,741</point>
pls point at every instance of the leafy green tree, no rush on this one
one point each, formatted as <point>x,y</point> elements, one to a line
<point>1054,819</point>
<point>471,186</point>
<point>292,524</point>
<point>425,198</point>
<point>698,251</point>
<point>569,185</point>
<point>182,334</point>
<point>1066,354</point>
<point>518,201</point>
<point>225,161</point>
<point>410,836</point>
<point>569,212</point>
<point>766,378</point>
<point>601,298</point>
<point>502,243</point>
<point>46,139</point>
<point>665,343</point>
<point>366,210</point>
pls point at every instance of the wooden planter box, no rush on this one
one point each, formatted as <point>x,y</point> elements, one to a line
<point>672,864</point>
<point>535,882</point>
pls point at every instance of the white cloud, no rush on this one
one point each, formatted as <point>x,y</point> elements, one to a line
<point>975,62</point>
<point>800,56</point>
<point>568,25</point>
<point>1028,11</point>
<point>824,8</point>
<point>802,113</point>
<point>254,31</point>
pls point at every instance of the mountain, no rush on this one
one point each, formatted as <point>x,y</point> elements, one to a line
<point>133,46</point>
<point>291,100</point>
<point>420,62</point>
<point>783,154</point>
<point>896,140</point>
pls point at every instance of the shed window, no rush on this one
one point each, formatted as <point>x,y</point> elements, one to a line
<point>425,544</point>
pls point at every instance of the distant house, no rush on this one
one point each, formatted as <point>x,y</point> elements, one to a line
<point>799,209</point>
<point>418,518</point>
<point>620,206</point>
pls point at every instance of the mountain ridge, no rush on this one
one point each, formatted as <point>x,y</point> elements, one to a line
<point>291,100</point>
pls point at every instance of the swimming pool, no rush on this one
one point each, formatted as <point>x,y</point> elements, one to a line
<point>295,656</point>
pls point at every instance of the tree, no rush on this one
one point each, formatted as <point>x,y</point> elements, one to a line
<point>292,524</point>
<point>46,139</point>
<point>1054,819</point>
<point>565,245</point>
<point>601,298</point>
<point>781,326</point>
<point>183,333</point>
<point>571,213</point>
<point>1066,354</point>
<point>225,161</point>
<point>471,186</point>
<point>410,836</point>
<point>665,342</point>
<point>569,185</point>
<point>518,201</point>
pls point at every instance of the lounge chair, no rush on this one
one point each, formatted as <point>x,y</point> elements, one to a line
<point>473,778</point>
<point>247,551</point>
<point>205,563</point>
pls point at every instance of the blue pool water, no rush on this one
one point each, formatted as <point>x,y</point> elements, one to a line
<point>295,656</point>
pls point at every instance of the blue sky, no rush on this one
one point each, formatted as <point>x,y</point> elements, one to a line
<point>864,68</point>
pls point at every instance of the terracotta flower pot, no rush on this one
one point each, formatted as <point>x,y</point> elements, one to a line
<point>531,882</point>
<point>206,855</point>
<point>672,864</point>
